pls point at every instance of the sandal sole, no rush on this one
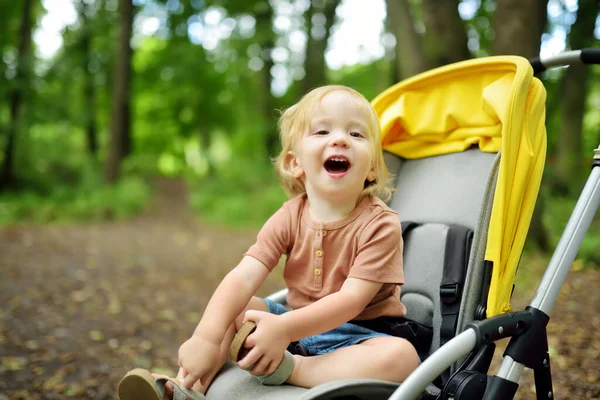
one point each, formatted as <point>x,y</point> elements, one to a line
<point>236,352</point>
<point>138,384</point>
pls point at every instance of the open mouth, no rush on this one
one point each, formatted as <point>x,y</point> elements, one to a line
<point>337,165</point>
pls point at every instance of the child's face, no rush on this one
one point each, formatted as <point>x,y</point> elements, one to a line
<point>335,156</point>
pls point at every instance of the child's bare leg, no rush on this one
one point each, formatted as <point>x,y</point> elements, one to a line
<point>255,303</point>
<point>387,358</point>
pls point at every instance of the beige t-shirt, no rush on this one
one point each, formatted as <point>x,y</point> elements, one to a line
<point>365,244</point>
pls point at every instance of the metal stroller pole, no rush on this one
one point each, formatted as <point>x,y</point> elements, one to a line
<point>569,243</point>
<point>560,263</point>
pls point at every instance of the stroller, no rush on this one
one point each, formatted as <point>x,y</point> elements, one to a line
<point>466,143</point>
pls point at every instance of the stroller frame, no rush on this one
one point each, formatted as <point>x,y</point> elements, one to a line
<point>528,346</point>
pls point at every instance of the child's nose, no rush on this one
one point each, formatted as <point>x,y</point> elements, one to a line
<point>339,139</point>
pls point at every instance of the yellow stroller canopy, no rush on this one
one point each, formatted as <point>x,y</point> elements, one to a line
<point>494,103</point>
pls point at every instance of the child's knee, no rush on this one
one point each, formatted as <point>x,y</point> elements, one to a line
<point>402,352</point>
<point>255,303</point>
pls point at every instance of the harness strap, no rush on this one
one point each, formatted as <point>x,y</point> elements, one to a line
<point>456,259</point>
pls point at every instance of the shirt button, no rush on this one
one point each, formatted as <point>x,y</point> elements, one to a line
<point>319,253</point>
<point>324,233</point>
<point>317,272</point>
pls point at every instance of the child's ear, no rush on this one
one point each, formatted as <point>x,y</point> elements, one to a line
<point>372,176</point>
<point>293,165</point>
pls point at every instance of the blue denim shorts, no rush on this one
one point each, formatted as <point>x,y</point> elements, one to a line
<point>342,336</point>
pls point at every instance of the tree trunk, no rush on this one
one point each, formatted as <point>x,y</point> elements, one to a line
<point>314,62</point>
<point>446,37</point>
<point>16,94</point>
<point>574,89</point>
<point>410,57</point>
<point>264,29</point>
<point>89,86</point>
<point>119,141</point>
<point>518,27</point>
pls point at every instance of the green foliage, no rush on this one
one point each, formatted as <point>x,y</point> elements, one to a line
<point>60,181</point>
<point>558,211</point>
<point>244,193</point>
<point>90,200</point>
<point>369,79</point>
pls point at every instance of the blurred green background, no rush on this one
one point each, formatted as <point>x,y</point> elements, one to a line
<point>98,98</point>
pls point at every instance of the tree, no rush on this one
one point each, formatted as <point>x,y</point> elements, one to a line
<point>574,89</point>
<point>318,35</point>
<point>446,36</point>
<point>444,40</point>
<point>85,45</point>
<point>410,58</point>
<point>120,141</point>
<point>518,27</point>
<point>266,39</point>
<point>16,95</point>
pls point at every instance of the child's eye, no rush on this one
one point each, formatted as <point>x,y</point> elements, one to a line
<point>321,132</point>
<point>356,134</point>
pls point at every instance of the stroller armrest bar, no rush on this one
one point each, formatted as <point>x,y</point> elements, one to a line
<point>501,326</point>
<point>585,56</point>
<point>560,60</point>
<point>434,365</point>
<point>279,297</point>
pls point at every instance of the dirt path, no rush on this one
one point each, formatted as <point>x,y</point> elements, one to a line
<point>82,304</point>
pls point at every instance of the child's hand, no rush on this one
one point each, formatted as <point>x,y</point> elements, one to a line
<point>268,343</point>
<point>198,357</point>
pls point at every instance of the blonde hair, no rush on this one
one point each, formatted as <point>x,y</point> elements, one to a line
<point>295,122</point>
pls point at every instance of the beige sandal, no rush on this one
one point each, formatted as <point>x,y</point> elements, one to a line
<point>139,384</point>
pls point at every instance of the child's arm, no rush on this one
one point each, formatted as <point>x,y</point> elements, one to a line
<point>200,354</point>
<point>275,332</point>
<point>331,311</point>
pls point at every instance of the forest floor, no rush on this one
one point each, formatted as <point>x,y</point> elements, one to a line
<point>81,304</point>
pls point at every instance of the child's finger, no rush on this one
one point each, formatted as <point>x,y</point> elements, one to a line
<point>250,359</point>
<point>169,387</point>
<point>254,315</point>
<point>189,381</point>
<point>250,316</point>
<point>271,368</point>
<point>250,341</point>
<point>261,366</point>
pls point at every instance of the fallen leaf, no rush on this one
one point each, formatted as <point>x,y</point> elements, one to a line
<point>38,370</point>
<point>66,357</point>
<point>80,296</point>
<point>96,335</point>
<point>114,307</point>
<point>14,363</point>
<point>578,265</point>
<point>55,383</point>
<point>74,389</point>
<point>167,315</point>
